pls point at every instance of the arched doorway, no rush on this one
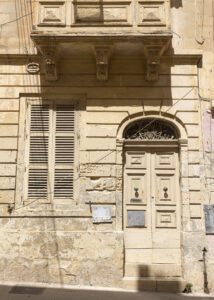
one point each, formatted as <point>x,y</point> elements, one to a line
<point>152,212</point>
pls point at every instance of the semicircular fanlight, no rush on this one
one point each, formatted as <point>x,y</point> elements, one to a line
<point>150,129</point>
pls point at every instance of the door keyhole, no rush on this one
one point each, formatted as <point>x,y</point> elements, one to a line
<point>165,189</point>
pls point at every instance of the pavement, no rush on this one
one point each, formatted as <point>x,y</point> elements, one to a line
<point>18,292</point>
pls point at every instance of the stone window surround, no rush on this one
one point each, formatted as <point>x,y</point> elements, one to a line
<point>21,209</point>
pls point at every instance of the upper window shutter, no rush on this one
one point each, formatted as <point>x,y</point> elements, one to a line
<point>39,140</point>
<point>64,151</point>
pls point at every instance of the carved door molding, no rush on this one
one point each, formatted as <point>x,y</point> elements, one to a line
<point>152,208</point>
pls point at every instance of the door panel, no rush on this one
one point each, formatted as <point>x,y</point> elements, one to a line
<point>166,256</point>
<point>137,189</point>
<point>151,211</point>
<point>136,255</point>
<point>136,238</point>
<point>136,159</point>
<point>164,184</point>
<point>165,218</point>
<point>166,239</point>
<point>164,160</point>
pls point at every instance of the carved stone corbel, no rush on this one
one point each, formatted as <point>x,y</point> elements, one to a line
<point>102,54</point>
<point>152,64</point>
<point>50,60</point>
<point>153,50</point>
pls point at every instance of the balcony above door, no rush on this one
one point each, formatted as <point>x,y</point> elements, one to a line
<point>104,25</point>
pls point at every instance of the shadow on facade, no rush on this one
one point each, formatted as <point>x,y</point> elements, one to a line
<point>97,16</point>
<point>176,3</point>
<point>158,283</point>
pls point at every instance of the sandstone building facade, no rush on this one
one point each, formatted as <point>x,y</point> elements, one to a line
<point>106,143</point>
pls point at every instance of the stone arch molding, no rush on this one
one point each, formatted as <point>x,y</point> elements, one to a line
<point>170,119</point>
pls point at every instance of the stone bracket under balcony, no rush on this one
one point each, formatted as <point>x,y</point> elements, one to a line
<point>102,55</point>
<point>52,48</point>
<point>153,50</point>
<point>50,59</point>
<point>49,53</point>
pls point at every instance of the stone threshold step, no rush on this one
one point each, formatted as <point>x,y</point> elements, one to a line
<point>155,284</point>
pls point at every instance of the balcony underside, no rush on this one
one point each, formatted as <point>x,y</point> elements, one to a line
<point>54,46</point>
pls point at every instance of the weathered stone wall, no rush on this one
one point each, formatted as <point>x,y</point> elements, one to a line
<point>16,25</point>
<point>64,246</point>
<point>60,250</point>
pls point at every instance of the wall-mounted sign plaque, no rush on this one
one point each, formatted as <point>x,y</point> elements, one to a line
<point>136,200</point>
<point>101,214</point>
<point>209,218</point>
<point>135,218</point>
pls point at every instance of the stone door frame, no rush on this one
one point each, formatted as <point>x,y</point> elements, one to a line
<point>181,142</point>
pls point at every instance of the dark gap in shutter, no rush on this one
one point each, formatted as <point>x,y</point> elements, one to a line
<point>37,183</point>
<point>64,151</point>
<point>63,184</point>
<point>39,118</point>
<point>39,149</point>
<point>65,116</point>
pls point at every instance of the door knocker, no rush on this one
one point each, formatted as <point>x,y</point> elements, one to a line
<point>165,189</point>
<point>136,192</point>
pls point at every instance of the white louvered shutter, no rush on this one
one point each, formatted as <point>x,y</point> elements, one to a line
<point>64,151</point>
<point>39,139</point>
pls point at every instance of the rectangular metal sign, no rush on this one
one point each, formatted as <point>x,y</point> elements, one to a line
<point>135,218</point>
<point>101,214</point>
<point>209,218</point>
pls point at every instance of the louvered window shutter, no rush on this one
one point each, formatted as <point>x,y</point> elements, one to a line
<point>64,151</point>
<point>39,136</point>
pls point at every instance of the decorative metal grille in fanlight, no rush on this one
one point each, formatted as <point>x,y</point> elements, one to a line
<point>150,129</point>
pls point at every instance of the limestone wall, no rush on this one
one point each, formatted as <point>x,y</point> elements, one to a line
<point>61,244</point>
<point>70,246</point>
<point>16,25</point>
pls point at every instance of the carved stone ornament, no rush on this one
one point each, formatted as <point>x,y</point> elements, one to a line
<point>102,61</point>
<point>49,55</point>
<point>153,63</point>
<point>32,68</point>
<point>150,129</point>
<point>154,49</point>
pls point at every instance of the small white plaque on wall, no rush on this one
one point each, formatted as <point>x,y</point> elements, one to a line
<point>101,214</point>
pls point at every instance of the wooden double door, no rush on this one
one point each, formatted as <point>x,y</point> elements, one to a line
<point>152,221</point>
